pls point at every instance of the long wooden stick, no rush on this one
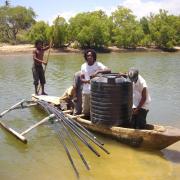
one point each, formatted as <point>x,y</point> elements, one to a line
<point>68,153</point>
<point>89,137</point>
<point>50,45</point>
<point>75,145</point>
<point>11,108</point>
<point>82,127</point>
<point>59,115</point>
<point>37,124</point>
<point>81,137</point>
<point>14,133</point>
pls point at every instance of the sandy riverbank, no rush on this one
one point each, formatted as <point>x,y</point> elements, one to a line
<point>11,49</point>
<point>6,49</point>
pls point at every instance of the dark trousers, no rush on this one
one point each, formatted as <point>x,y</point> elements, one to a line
<point>138,121</point>
<point>38,75</point>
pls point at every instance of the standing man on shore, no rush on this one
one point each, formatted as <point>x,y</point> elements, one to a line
<point>141,99</point>
<point>37,69</point>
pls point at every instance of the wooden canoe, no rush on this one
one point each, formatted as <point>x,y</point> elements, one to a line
<point>153,137</point>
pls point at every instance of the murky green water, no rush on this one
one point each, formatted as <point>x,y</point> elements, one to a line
<point>44,157</point>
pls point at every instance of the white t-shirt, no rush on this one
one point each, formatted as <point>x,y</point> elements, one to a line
<point>137,93</point>
<point>89,71</point>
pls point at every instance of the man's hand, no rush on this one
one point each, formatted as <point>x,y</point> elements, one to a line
<point>122,74</point>
<point>44,62</point>
<point>87,81</point>
<point>94,75</point>
<point>135,110</point>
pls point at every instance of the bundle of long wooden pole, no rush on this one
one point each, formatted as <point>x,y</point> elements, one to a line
<point>69,124</point>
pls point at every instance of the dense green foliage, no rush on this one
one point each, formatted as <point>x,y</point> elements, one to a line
<point>91,29</point>
<point>164,29</point>
<point>59,32</point>
<point>13,20</point>
<point>127,32</point>
<point>39,31</point>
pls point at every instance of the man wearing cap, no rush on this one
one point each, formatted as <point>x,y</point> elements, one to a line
<point>141,99</point>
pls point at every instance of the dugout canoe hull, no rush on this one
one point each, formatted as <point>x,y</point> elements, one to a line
<point>154,137</point>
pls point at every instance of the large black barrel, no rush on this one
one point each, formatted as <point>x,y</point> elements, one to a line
<point>111,100</point>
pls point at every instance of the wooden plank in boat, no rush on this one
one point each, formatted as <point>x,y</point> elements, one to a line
<point>50,99</point>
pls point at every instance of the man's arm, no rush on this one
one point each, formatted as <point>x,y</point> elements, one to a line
<point>143,98</point>
<point>103,71</point>
<point>83,80</point>
<point>125,75</point>
<point>142,101</point>
<point>106,70</point>
<point>46,48</point>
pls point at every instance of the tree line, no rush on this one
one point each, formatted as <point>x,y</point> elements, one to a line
<point>91,29</point>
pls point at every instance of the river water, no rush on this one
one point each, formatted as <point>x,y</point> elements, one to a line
<point>44,157</point>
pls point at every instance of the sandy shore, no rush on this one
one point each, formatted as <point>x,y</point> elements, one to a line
<point>6,49</point>
<point>11,49</point>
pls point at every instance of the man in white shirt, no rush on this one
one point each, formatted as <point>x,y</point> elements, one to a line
<point>89,70</point>
<point>141,99</point>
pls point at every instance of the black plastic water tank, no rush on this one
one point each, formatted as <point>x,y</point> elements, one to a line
<point>111,100</point>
